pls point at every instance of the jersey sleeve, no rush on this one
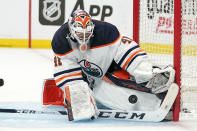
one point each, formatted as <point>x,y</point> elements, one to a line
<point>60,44</point>
<point>66,70</point>
<point>129,55</point>
<point>105,34</point>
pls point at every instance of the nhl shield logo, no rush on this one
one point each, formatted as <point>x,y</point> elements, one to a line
<point>51,12</point>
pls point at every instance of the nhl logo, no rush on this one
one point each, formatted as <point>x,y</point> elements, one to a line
<point>51,12</point>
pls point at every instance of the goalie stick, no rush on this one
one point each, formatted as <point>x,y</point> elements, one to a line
<point>152,116</point>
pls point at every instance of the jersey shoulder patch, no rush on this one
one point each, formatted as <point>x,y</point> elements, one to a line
<point>104,34</point>
<point>60,44</point>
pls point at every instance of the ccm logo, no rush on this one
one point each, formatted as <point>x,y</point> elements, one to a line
<point>121,115</point>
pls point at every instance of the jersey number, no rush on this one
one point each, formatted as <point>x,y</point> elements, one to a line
<point>57,61</point>
<point>126,40</point>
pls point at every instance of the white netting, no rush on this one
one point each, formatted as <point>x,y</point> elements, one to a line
<point>189,56</point>
<point>156,37</point>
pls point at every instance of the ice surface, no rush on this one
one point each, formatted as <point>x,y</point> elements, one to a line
<point>24,70</point>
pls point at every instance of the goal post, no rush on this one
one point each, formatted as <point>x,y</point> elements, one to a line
<point>177,54</point>
<point>136,18</point>
<point>167,31</point>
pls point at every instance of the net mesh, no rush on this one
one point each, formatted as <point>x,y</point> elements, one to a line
<point>156,38</point>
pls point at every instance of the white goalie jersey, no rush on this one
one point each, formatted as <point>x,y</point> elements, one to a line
<point>106,46</point>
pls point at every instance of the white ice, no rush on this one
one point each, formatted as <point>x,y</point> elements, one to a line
<point>24,71</point>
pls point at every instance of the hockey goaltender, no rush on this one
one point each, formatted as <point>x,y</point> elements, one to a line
<point>99,73</point>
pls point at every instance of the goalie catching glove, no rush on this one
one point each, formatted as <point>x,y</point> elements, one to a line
<point>80,102</point>
<point>161,80</point>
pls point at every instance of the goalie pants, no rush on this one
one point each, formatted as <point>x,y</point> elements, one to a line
<point>116,97</point>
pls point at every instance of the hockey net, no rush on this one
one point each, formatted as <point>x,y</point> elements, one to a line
<point>167,31</point>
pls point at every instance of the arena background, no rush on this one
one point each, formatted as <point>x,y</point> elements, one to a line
<point>32,23</point>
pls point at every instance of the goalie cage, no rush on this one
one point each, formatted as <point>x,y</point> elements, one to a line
<point>167,31</point>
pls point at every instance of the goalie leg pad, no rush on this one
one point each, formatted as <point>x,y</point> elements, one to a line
<point>80,102</point>
<point>51,94</point>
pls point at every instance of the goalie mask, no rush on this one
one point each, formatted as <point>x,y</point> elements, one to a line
<point>81,28</point>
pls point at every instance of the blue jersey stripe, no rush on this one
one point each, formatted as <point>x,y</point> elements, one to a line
<point>67,71</point>
<point>134,59</point>
<point>127,53</point>
<point>69,80</point>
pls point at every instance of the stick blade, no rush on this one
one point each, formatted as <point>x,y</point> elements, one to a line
<point>168,101</point>
<point>170,97</point>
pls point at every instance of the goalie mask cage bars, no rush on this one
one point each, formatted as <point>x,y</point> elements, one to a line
<point>167,31</point>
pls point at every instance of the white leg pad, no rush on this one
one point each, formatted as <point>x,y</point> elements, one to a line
<point>82,105</point>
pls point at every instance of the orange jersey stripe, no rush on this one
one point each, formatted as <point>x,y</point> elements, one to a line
<point>64,53</point>
<point>61,78</point>
<point>107,44</point>
<point>130,58</point>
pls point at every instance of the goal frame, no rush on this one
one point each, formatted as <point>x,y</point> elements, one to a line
<point>177,46</point>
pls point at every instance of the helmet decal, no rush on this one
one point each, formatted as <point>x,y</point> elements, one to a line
<point>81,28</point>
<point>83,20</point>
